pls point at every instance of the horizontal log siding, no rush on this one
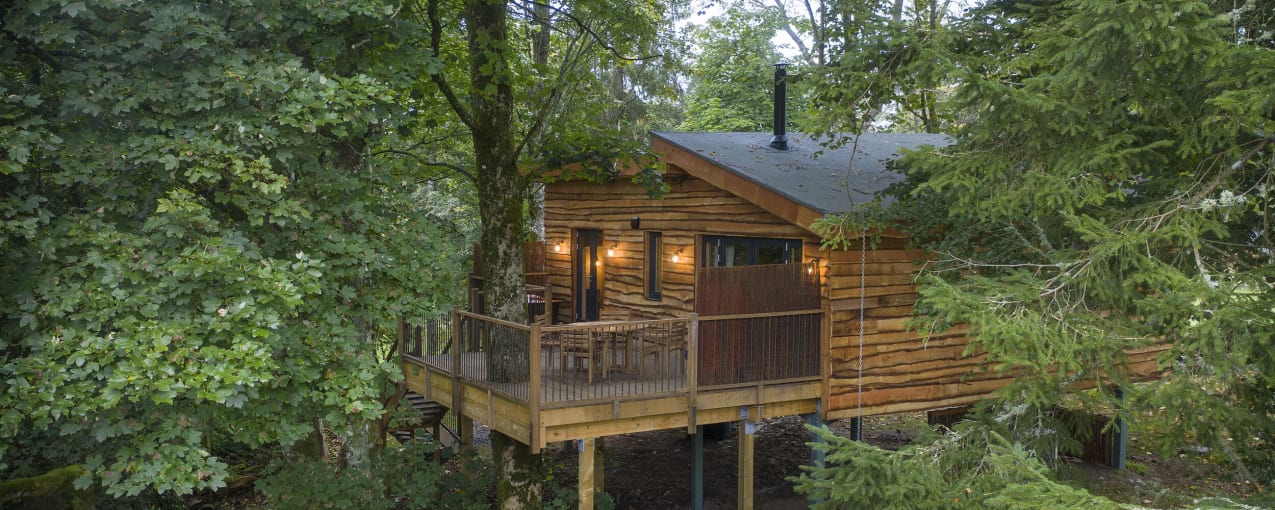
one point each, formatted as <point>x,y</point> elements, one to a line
<point>691,208</point>
<point>902,370</point>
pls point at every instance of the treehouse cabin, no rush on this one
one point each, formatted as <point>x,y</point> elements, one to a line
<point>713,304</point>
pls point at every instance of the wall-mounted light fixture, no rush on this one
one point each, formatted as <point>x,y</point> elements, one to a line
<point>677,256</point>
<point>814,264</point>
<point>557,247</point>
<point>611,250</point>
<point>635,223</point>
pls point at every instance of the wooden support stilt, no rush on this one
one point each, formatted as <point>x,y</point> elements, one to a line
<point>697,469</point>
<point>599,465</point>
<point>1120,448</point>
<point>747,435</point>
<point>585,484</point>
<point>466,426</point>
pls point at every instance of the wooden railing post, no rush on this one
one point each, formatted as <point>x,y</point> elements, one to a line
<point>456,394</point>
<point>533,386</point>
<point>825,361</point>
<point>456,343</point>
<point>692,371</point>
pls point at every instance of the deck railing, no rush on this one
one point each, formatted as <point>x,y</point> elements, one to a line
<point>476,348</point>
<point>424,342</point>
<point>752,348</point>
<point>608,360</point>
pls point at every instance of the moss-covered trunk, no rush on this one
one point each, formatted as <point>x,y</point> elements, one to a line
<point>501,190</point>
<point>55,488</point>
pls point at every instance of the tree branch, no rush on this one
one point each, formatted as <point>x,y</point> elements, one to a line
<point>555,93</point>
<point>1232,168</point>
<point>593,35</point>
<point>426,162</point>
<point>435,45</point>
<point>792,33</point>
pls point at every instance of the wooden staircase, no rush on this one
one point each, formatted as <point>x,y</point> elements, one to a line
<point>431,417</point>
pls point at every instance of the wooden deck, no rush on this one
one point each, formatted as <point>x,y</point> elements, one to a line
<point>612,408</point>
<point>552,399</point>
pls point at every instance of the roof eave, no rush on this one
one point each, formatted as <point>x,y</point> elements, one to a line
<point>722,177</point>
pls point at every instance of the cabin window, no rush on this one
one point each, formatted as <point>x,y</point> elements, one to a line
<point>654,266</point>
<point>724,251</point>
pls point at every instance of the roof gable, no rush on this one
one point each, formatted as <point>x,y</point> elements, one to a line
<point>831,182</point>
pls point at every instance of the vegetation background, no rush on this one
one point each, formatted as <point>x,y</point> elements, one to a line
<point>212,213</point>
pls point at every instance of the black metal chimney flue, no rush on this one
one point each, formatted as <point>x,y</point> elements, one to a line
<point>780,140</point>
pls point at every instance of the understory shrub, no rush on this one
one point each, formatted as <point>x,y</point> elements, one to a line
<point>403,477</point>
<point>964,468</point>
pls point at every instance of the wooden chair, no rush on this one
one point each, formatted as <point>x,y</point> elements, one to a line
<point>617,340</point>
<point>580,345</point>
<point>548,341</point>
<point>661,341</point>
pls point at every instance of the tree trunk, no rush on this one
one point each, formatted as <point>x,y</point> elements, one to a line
<point>501,190</point>
<point>518,473</point>
<point>54,488</point>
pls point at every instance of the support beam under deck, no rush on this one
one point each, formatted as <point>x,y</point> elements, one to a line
<point>586,481</point>
<point>747,439</point>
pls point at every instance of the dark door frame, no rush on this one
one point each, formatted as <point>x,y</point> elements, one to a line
<point>587,274</point>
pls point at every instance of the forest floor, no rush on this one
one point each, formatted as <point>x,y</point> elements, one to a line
<point>653,469</point>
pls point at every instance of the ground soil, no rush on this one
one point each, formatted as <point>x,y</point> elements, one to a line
<point>653,469</point>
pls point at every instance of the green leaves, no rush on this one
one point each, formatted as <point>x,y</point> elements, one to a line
<point>1105,196</point>
<point>193,234</point>
<point>732,81</point>
<point>971,467</point>
<point>881,65</point>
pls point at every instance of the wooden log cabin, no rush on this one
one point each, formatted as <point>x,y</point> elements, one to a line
<point>713,304</point>
<point>738,213</point>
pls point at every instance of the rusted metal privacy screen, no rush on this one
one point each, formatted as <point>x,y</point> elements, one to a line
<point>756,289</point>
<point>757,349</point>
<point>740,341</point>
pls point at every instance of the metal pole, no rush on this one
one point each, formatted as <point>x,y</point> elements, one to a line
<point>697,469</point>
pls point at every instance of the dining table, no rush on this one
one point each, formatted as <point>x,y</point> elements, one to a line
<point>608,337</point>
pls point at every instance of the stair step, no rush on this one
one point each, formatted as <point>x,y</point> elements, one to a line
<point>403,437</point>
<point>431,411</point>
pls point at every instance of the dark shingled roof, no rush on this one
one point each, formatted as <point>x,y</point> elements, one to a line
<point>825,183</point>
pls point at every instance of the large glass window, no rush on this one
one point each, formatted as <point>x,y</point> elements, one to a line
<point>724,251</point>
<point>654,264</point>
